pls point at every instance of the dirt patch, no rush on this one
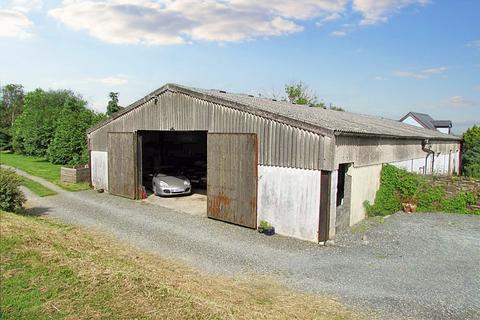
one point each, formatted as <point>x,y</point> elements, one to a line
<point>194,204</point>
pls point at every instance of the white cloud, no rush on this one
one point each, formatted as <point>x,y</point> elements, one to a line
<point>110,81</point>
<point>473,44</point>
<point>435,70</point>
<point>174,22</point>
<point>118,80</point>
<point>25,5</point>
<point>14,24</point>
<point>379,78</point>
<point>339,33</point>
<point>423,74</point>
<point>460,101</point>
<point>377,11</point>
<point>181,21</point>
<point>410,74</point>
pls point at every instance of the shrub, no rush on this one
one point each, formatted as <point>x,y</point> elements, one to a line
<point>69,143</point>
<point>397,185</point>
<point>471,152</point>
<point>11,197</point>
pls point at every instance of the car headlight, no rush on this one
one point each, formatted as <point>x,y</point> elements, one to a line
<point>163,184</point>
<point>186,183</point>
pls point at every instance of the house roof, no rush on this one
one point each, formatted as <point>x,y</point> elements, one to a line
<point>327,122</point>
<point>427,121</point>
<point>442,123</point>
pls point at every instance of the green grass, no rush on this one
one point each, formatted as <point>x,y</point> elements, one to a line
<point>51,270</point>
<point>41,168</point>
<point>37,188</point>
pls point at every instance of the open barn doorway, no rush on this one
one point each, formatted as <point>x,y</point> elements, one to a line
<point>173,169</point>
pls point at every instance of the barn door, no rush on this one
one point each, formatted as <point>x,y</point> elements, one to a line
<point>122,174</point>
<point>232,178</point>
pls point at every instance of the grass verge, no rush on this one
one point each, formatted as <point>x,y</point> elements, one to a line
<point>51,271</point>
<point>41,168</point>
<point>37,188</point>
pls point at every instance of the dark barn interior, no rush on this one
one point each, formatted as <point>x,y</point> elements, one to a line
<point>181,153</point>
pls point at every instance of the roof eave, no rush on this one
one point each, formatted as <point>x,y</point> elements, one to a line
<point>387,136</point>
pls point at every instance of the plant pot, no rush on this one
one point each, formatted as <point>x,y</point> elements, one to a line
<point>269,232</point>
<point>409,207</point>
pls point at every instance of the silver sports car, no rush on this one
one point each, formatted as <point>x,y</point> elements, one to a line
<point>170,185</point>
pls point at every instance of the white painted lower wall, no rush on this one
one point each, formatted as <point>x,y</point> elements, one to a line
<point>365,183</point>
<point>99,167</point>
<point>443,164</point>
<point>289,199</point>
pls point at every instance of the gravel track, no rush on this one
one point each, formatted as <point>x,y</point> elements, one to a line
<point>422,266</point>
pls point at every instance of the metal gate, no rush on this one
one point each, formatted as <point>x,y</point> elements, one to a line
<point>232,178</point>
<point>122,173</point>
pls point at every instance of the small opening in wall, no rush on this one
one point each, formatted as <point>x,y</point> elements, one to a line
<point>342,171</point>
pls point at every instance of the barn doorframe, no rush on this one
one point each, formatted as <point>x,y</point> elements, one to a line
<point>324,214</point>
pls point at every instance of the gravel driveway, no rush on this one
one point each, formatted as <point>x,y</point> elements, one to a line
<point>424,266</point>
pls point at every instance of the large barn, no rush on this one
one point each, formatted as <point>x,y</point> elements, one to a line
<point>307,171</point>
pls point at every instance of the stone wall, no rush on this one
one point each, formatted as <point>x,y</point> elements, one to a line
<point>455,185</point>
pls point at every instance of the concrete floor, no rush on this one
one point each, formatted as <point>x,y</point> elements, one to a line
<point>194,204</point>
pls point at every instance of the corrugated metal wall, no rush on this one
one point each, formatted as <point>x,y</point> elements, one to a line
<point>372,150</point>
<point>279,144</point>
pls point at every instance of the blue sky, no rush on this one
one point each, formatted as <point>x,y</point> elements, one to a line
<point>376,57</point>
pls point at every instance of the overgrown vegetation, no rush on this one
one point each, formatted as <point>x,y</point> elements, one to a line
<point>397,186</point>
<point>11,197</point>
<point>54,271</point>
<point>471,152</point>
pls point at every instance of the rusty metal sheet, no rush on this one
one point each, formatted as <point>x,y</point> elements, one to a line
<point>122,175</point>
<point>232,178</point>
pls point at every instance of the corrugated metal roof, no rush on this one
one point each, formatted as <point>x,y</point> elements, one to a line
<point>328,121</point>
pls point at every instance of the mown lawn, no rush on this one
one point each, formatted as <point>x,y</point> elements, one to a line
<point>37,188</point>
<point>55,271</point>
<point>41,168</point>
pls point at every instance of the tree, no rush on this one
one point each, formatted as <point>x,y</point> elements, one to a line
<point>471,152</point>
<point>33,130</point>
<point>300,93</point>
<point>69,143</point>
<point>113,106</point>
<point>11,105</point>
